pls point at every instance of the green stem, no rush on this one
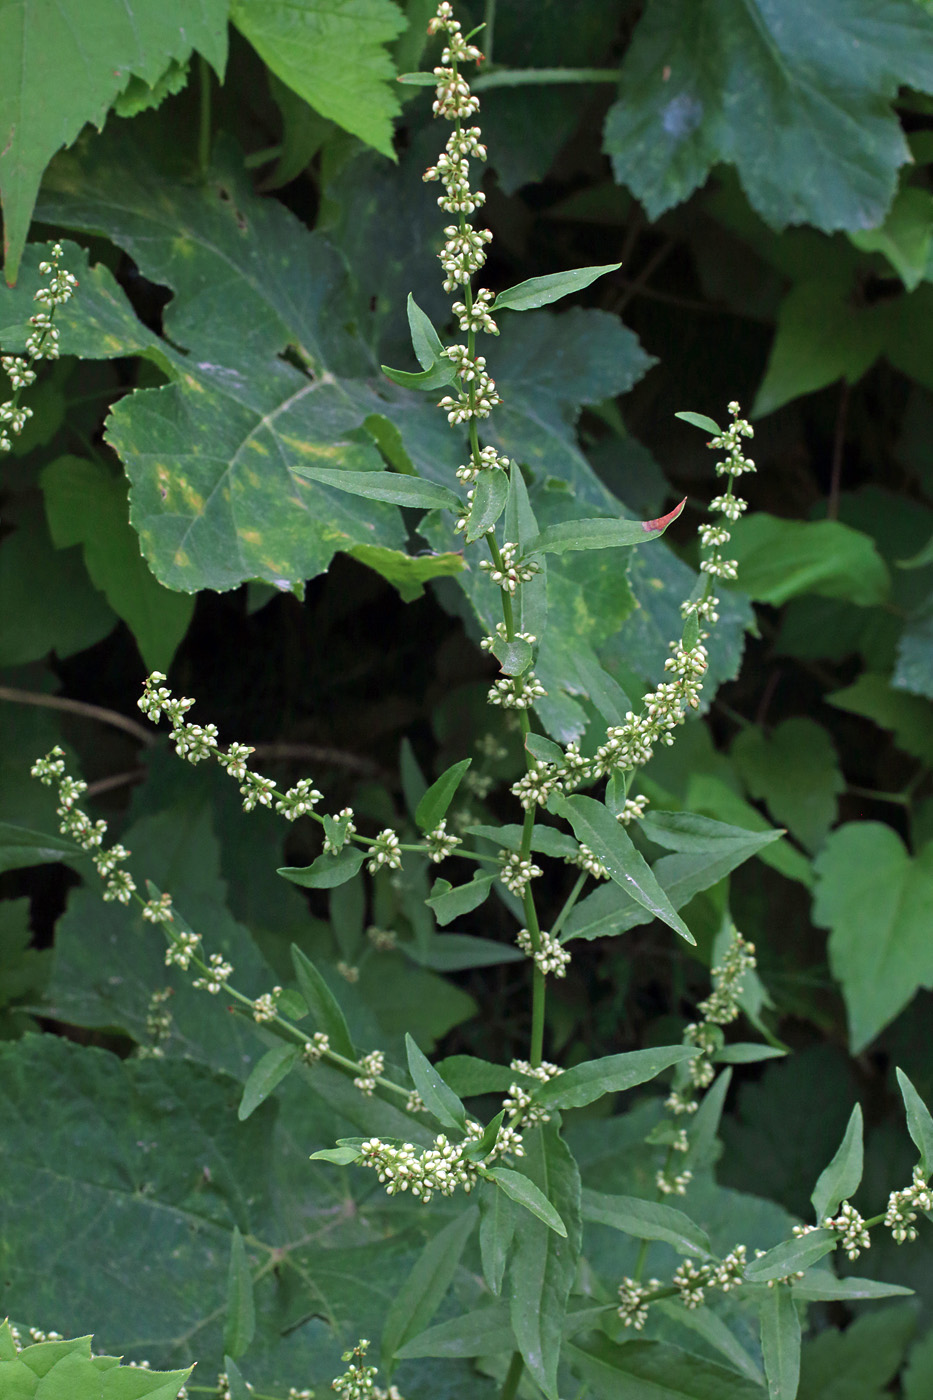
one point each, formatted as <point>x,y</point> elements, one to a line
<point>513,1376</point>
<point>569,902</point>
<point>204,129</point>
<point>489,26</point>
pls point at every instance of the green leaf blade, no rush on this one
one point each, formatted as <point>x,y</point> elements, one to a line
<point>437,1097</point>
<point>541,291</point>
<point>434,804</point>
<point>322,1004</point>
<point>264,1077</point>
<point>612,1074</point>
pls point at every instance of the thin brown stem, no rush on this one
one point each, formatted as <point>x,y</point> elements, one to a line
<point>80,707</point>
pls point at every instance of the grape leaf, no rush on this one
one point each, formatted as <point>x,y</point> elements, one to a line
<point>724,81</point>
<point>63,64</point>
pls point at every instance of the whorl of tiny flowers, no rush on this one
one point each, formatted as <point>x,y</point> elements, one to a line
<point>440,842</point>
<point>671,1183</point>
<point>41,344</point>
<point>536,785</point>
<point>722,1005</point>
<point>730,506</point>
<point>850,1227</point>
<point>901,1214</point>
<point>219,972</point>
<point>633,809</point>
<point>550,957</point>
<point>436,1170</point>
<point>634,1298</point>
<point>516,692</point>
<point>313,1049</point>
<point>158,1024</point>
<point>78,826</point>
<point>518,1102</point>
<point>510,571</point>
<point>359,1380</point>
<point>385,852</point>
<point>264,1006</point>
<point>516,872</point>
<point>586,860</point>
<point>372,1066</point>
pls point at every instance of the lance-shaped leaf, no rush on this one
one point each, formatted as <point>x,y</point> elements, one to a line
<point>437,1097</point>
<point>780,1341</point>
<point>646,1220</point>
<point>240,1323</point>
<point>611,1074</point>
<point>434,377</point>
<point>423,1291</point>
<point>236,1385</point>
<point>600,534</point>
<point>820,1287</point>
<point>20,847</point>
<point>497,1219</point>
<point>490,495</point>
<point>525,1193</point>
<point>264,1077</point>
<point>700,420</point>
<point>327,871</point>
<point>791,1257</point>
<point>841,1178</point>
<point>449,903</point>
<point>919,1122</point>
<point>641,1369</point>
<point>596,827</point>
<point>541,291</point>
<point>480,1333</point>
<point>322,1004</point>
<point>425,340</point>
<point>545,1263</point>
<point>385,486</point>
<point>433,805</point>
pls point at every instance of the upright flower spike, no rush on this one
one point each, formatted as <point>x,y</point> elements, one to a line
<point>41,344</point>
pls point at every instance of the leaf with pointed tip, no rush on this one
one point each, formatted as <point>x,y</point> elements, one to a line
<point>647,1220</point>
<point>322,1004</point>
<point>449,903</point>
<point>437,1097</point>
<point>840,1180</point>
<point>240,1323</point>
<point>426,342</point>
<point>326,871</point>
<point>791,1256</point>
<point>436,376</point>
<point>611,1074</point>
<point>541,291</point>
<point>423,1291</point>
<point>385,486</point>
<point>700,420</point>
<point>919,1122</point>
<point>601,534</point>
<point>435,802</point>
<point>264,1077</point>
<point>780,1341</point>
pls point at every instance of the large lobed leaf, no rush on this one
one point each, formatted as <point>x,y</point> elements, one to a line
<point>62,64</point>
<point>796,96</point>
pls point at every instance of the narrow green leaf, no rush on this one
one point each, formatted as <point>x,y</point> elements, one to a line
<point>780,1341</point>
<point>700,420</point>
<point>541,291</point>
<point>21,847</point>
<point>423,1291</point>
<point>476,1151</point>
<point>704,1129</point>
<point>264,1076</point>
<point>435,377</point>
<point>327,871</point>
<point>747,1053</point>
<point>819,1287</point>
<point>449,903</point>
<point>393,487</point>
<point>490,495</point>
<point>791,1256</point>
<point>426,343</point>
<point>715,1332</point>
<point>596,827</point>
<point>346,906</point>
<point>919,1122</point>
<point>433,805</point>
<point>524,1192</point>
<point>646,1220</point>
<point>240,1321</point>
<point>469,1076</point>
<point>611,1074</point>
<point>497,1216</point>
<point>841,1178</point>
<point>322,1004</point>
<point>235,1383</point>
<point>481,1333</point>
<point>126,1383</point>
<point>643,1370</point>
<point>437,1097</point>
<point>455,952</point>
<point>600,534</point>
<point>544,1263</point>
<point>342,1156</point>
<point>418,79</point>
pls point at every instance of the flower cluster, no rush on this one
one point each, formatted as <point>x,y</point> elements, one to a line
<point>41,344</point>
<point>588,861</point>
<point>517,872</point>
<point>549,957</point>
<point>76,824</point>
<point>358,1382</point>
<point>516,692</point>
<point>488,460</point>
<point>901,1214</point>
<point>219,971</point>
<point>315,1048</point>
<point>265,1007</point>
<point>509,570</point>
<point>690,1280</point>
<point>850,1227</point>
<point>518,1102</point>
<point>158,1024</point>
<point>385,852</point>
<point>441,843</point>
<point>372,1066</point>
<point>439,1169</point>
